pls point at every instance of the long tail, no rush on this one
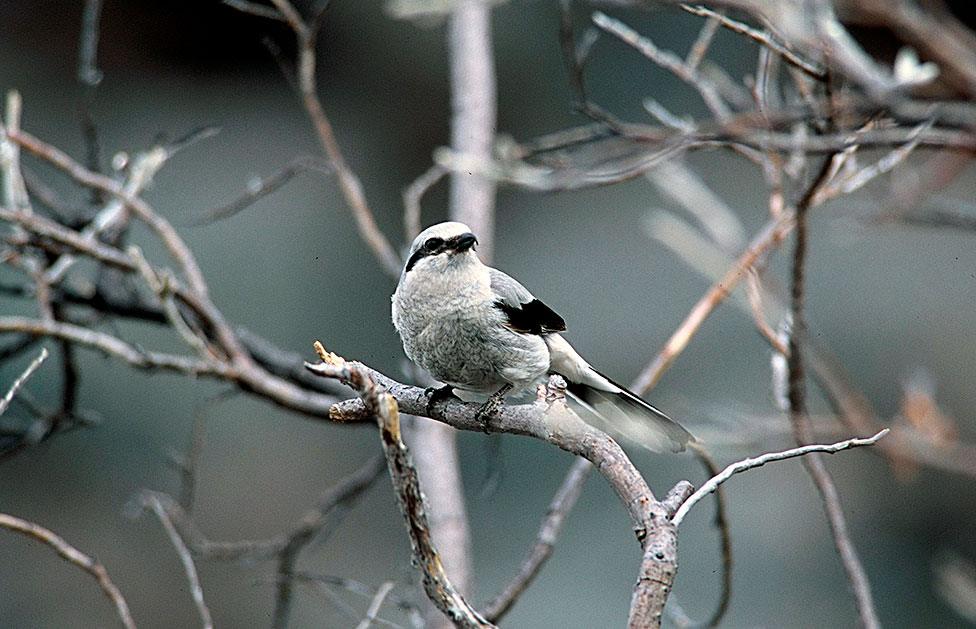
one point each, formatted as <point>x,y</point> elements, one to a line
<point>614,402</point>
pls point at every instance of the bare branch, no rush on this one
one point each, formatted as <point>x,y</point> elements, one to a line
<point>375,604</point>
<point>73,555</point>
<point>761,37</point>
<point>253,8</point>
<point>562,502</point>
<point>754,462</point>
<point>473,106</point>
<point>116,347</point>
<point>259,188</point>
<point>153,501</point>
<point>21,379</point>
<point>702,43</point>
<point>569,433</point>
<point>384,408</point>
<point>349,184</point>
<point>801,424</point>
<point>667,60</point>
<point>411,200</point>
<point>771,236</point>
<point>659,563</point>
<point>317,524</point>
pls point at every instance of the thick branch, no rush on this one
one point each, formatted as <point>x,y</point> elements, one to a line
<point>553,423</point>
<point>383,406</point>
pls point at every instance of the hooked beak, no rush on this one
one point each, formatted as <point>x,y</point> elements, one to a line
<point>464,242</point>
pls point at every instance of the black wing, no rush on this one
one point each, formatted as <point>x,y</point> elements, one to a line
<point>533,317</point>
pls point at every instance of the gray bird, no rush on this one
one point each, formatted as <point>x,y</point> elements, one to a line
<point>476,329</point>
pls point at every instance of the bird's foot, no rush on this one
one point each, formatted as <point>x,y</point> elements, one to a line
<point>438,394</point>
<point>490,407</point>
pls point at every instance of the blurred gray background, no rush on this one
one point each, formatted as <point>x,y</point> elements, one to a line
<point>887,300</point>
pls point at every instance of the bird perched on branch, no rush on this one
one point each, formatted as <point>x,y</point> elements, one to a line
<point>476,329</point>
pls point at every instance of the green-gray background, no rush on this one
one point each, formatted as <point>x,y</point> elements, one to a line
<point>292,268</point>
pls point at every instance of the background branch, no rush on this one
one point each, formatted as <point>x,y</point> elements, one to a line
<point>72,555</point>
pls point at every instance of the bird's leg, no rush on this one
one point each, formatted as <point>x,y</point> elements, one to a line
<point>438,394</point>
<point>490,407</point>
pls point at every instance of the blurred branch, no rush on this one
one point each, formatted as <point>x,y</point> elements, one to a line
<point>926,217</point>
<point>72,555</point>
<point>253,8</point>
<point>754,462</point>
<point>667,60</point>
<point>562,503</point>
<point>771,236</point>
<point>375,604</point>
<point>316,525</point>
<point>412,222</point>
<point>955,582</point>
<point>89,76</point>
<point>21,379</point>
<point>259,188</point>
<point>306,32</point>
<point>760,37</point>
<point>152,501</point>
<point>803,431</point>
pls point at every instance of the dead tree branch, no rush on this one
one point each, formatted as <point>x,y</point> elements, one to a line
<point>378,403</point>
<point>306,32</point>
<point>153,502</point>
<point>72,555</point>
<point>758,461</point>
<point>21,379</point>
<point>562,503</point>
<point>802,430</point>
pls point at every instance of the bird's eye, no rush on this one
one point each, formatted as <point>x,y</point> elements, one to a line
<point>433,244</point>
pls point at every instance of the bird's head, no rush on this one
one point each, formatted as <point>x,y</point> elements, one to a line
<point>442,246</point>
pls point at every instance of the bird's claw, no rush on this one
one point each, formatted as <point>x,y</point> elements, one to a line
<point>438,394</point>
<point>490,407</point>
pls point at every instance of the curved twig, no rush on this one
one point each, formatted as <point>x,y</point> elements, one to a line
<point>73,555</point>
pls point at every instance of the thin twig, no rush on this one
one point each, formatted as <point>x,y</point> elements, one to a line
<point>253,8</point>
<point>747,464</point>
<point>318,524</point>
<point>760,37</point>
<point>375,604</point>
<point>259,188</point>
<point>153,502</point>
<point>667,60</point>
<point>562,503</point>
<point>89,76</point>
<point>412,195</point>
<point>802,430</point>
<point>19,382</point>
<point>349,183</point>
<point>771,236</point>
<point>357,587</point>
<point>725,536</point>
<point>74,556</point>
<point>116,347</point>
<point>704,40</point>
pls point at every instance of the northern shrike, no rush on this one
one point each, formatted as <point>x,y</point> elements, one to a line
<point>475,328</point>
